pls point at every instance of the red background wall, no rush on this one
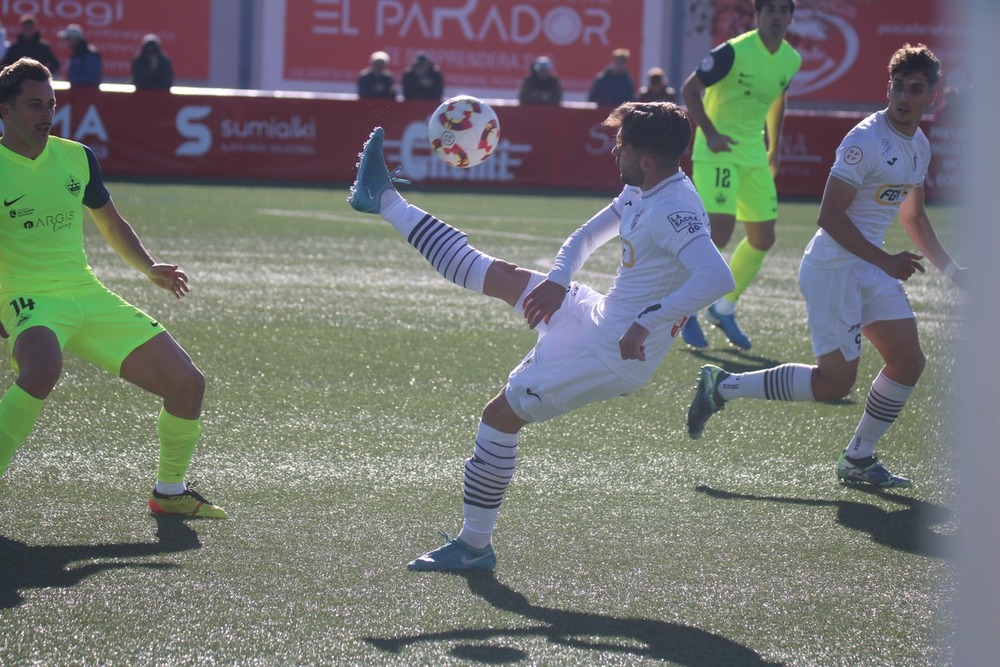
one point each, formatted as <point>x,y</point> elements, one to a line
<point>316,140</point>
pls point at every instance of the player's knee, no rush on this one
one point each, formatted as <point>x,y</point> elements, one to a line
<point>39,377</point>
<point>721,238</point>
<point>833,386</point>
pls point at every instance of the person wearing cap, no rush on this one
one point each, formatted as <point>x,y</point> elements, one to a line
<point>656,88</point>
<point>29,44</point>
<point>151,68</point>
<point>376,80</point>
<point>541,85</point>
<point>423,80</point>
<point>84,60</point>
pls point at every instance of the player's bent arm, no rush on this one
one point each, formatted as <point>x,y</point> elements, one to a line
<point>914,219</point>
<point>691,91</point>
<point>710,279</point>
<point>833,219</point>
<point>122,238</point>
<point>582,243</point>
<point>775,121</point>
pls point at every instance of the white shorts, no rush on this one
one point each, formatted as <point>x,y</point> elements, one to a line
<point>840,301</point>
<point>561,373</point>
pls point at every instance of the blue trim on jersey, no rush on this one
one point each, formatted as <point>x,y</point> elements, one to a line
<point>723,56</point>
<point>96,194</point>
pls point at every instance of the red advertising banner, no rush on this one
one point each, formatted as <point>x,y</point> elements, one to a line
<point>116,28</point>
<point>846,44</point>
<point>478,44</point>
<point>317,139</point>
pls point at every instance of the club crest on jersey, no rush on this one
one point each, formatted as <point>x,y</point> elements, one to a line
<point>73,186</point>
<point>685,221</point>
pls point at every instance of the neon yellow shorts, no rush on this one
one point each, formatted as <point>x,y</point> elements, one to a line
<point>748,193</point>
<point>91,322</point>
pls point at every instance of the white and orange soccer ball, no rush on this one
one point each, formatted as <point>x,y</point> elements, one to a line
<point>463,131</point>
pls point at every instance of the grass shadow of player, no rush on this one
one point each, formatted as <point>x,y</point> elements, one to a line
<point>733,360</point>
<point>908,529</point>
<point>626,636</point>
<point>47,566</point>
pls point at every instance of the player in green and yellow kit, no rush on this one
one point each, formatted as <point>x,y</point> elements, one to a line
<point>51,302</point>
<point>737,92</point>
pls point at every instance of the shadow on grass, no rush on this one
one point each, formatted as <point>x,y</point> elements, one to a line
<point>641,637</point>
<point>26,566</point>
<point>733,360</point>
<point>907,529</point>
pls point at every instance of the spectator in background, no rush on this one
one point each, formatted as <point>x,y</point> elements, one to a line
<point>613,85</point>
<point>376,80</point>
<point>84,68</point>
<point>422,80</point>
<point>29,44</point>
<point>656,88</point>
<point>541,86</point>
<point>151,68</point>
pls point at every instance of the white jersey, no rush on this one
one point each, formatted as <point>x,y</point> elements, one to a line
<point>665,241</point>
<point>884,166</point>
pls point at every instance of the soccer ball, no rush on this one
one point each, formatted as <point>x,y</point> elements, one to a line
<point>463,131</point>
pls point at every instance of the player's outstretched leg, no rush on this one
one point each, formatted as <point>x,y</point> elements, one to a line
<point>446,248</point>
<point>707,400</point>
<point>456,555</point>
<point>693,335</point>
<point>373,178</point>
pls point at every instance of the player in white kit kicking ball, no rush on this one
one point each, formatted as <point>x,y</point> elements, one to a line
<point>591,346</point>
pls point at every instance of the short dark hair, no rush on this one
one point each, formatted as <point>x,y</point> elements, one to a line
<point>758,5</point>
<point>662,128</point>
<point>13,76</point>
<point>912,58</point>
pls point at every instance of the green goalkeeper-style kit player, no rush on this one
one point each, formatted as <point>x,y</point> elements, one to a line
<point>52,303</point>
<point>737,92</point>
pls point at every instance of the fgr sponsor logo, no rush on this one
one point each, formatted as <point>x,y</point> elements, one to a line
<point>87,129</point>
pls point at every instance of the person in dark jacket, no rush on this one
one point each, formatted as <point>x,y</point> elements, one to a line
<point>376,80</point>
<point>29,44</point>
<point>85,68</point>
<point>423,80</point>
<point>613,85</point>
<point>151,68</point>
<point>541,86</point>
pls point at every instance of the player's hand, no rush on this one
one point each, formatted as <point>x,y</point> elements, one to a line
<point>632,345</point>
<point>542,302</point>
<point>170,278</point>
<point>903,265</point>
<point>720,143</point>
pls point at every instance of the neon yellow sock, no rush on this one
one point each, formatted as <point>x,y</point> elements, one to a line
<point>178,438</point>
<point>18,414</point>
<point>745,265</point>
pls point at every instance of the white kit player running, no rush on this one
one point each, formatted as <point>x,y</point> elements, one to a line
<point>853,287</point>
<point>591,346</point>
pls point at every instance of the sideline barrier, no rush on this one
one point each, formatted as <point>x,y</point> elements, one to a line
<point>316,139</point>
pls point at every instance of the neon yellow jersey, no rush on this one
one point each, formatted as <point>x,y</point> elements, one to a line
<point>743,79</point>
<point>41,230</point>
